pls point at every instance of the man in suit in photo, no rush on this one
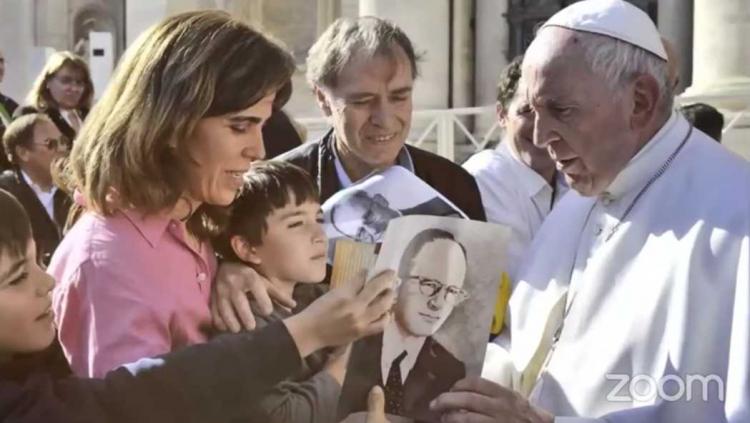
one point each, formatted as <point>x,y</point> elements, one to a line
<point>411,365</point>
<point>32,143</point>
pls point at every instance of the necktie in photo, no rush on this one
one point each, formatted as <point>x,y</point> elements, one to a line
<point>394,388</point>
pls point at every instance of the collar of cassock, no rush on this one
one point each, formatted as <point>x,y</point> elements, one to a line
<point>644,165</point>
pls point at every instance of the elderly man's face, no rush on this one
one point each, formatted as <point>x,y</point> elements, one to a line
<point>432,288</point>
<point>584,125</point>
<point>370,108</point>
<point>363,218</point>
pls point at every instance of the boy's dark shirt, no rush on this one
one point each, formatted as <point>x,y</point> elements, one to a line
<point>309,396</point>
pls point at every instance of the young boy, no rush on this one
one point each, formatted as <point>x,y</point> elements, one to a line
<point>275,227</point>
<point>216,381</point>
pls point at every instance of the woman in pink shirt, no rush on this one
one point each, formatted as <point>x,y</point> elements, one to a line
<point>158,158</point>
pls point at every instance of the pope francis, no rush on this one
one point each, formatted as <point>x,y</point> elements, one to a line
<point>634,302</point>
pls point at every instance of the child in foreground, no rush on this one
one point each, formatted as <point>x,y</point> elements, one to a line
<point>217,381</point>
<point>275,227</point>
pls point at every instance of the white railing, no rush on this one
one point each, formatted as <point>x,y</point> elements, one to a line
<point>442,130</point>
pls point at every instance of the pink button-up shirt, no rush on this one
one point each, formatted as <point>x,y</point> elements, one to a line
<point>129,287</point>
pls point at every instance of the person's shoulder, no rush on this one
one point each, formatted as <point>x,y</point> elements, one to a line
<point>487,162</point>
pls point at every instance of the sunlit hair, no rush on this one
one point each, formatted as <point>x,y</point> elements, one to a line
<point>20,133</point>
<point>131,150</point>
<point>618,62</point>
<point>507,84</point>
<point>15,228</point>
<point>347,37</point>
<point>268,186</point>
<point>40,97</point>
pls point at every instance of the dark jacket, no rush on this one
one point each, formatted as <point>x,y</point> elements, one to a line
<point>309,396</point>
<point>279,135</point>
<point>446,177</point>
<point>10,107</point>
<point>435,371</point>
<point>47,232</point>
<point>213,382</point>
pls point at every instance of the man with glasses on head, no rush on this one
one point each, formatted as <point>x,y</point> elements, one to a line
<point>405,359</point>
<point>32,143</point>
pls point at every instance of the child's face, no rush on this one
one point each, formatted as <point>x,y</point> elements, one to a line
<point>294,246</point>
<point>26,319</point>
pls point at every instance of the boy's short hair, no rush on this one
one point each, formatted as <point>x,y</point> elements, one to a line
<point>20,132</point>
<point>15,228</point>
<point>268,186</point>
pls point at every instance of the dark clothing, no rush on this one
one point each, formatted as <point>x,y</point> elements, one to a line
<point>47,232</point>
<point>213,382</point>
<point>446,177</point>
<point>279,135</point>
<point>10,107</point>
<point>435,371</point>
<point>311,395</point>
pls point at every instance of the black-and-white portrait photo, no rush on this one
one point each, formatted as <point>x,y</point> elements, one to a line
<point>449,271</point>
<point>362,212</point>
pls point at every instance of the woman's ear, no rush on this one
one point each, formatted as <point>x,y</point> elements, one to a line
<point>245,251</point>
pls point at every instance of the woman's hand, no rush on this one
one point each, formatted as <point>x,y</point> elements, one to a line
<point>230,307</point>
<point>343,315</point>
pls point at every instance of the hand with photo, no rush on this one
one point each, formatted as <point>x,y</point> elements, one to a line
<point>477,400</point>
<point>344,315</point>
<point>230,306</point>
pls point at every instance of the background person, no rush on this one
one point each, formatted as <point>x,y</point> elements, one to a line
<point>64,91</point>
<point>33,144</point>
<point>518,180</point>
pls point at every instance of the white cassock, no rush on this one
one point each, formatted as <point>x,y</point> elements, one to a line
<point>664,302</point>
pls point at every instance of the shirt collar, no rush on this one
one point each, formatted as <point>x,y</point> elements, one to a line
<point>151,227</point>
<point>412,345</point>
<point>647,161</point>
<point>36,188</point>
<point>530,182</point>
<point>403,159</point>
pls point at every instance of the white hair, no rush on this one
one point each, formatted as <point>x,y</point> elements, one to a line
<point>618,62</point>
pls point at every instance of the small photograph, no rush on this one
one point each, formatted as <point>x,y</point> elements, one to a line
<point>449,272</point>
<point>362,212</point>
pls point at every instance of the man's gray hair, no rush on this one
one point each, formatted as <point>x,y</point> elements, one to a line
<point>345,38</point>
<point>618,62</point>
